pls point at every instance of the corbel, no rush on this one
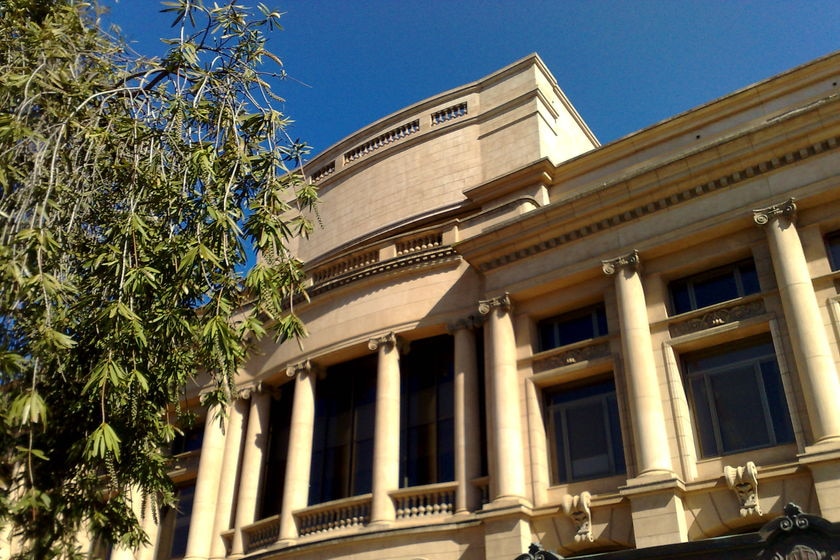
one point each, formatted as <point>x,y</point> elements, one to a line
<point>744,482</point>
<point>577,508</point>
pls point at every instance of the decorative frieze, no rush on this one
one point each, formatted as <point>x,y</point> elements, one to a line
<point>654,206</point>
<point>571,356</point>
<point>744,482</point>
<point>577,508</point>
<point>785,210</point>
<point>485,306</point>
<point>630,260</point>
<point>718,317</point>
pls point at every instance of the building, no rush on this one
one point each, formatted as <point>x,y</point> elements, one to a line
<point>520,336</point>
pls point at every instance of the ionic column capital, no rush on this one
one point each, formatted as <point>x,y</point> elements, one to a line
<point>630,260</point>
<point>305,367</point>
<point>388,341</point>
<point>786,210</point>
<point>485,306</point>
<point>251,390</point>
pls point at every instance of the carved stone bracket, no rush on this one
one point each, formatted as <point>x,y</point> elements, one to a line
<point>630,260</point>
<point>786,210</point>
<point>577,507</point>
<point>536,552</point>
<point>501,302</point>
<point>744,482</point>
<point>388,340</point>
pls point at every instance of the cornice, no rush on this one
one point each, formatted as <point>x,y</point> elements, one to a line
<point>420,259</point>
<point>482,250</point>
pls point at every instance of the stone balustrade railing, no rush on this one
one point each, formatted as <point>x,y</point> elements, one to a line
<point>419,243</point>
<point>335,515</point>
<point>262,533</point>
<point>369,145</point>
<point>425,501</point>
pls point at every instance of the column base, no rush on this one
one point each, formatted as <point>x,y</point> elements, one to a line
<point>657,509</point>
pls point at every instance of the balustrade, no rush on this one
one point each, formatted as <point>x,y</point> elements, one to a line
<point>332,516</point>
<point>425,501</point>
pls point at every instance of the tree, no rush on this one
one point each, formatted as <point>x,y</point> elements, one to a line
<point>133,191</point>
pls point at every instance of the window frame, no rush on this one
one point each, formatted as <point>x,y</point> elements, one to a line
<point>778,425</point>
<point>690,282</point>
<point>602,390</point>
<point>597,313</point>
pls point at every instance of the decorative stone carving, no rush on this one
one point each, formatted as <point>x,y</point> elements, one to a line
<point>799,536</point>
<point>389,339</point>
<point>247,392</point>
<point>536,552</point>
<point>577,507</point>
<point>718,317</point>
<point>786,210</point>
<point>301,367</point>
<point>502,302</point>
<point>573,356</point>
<point>744,482</point>
<point>611,266</point>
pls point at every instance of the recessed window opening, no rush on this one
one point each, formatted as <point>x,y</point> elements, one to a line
<point>574,326</point>
<point>714,286</point>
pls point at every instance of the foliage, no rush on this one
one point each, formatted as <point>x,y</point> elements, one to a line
<point>133,190</point>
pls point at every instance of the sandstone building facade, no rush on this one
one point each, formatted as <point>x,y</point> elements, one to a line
<point>520,336</point>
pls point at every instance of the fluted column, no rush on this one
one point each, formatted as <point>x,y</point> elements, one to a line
<point>253,462</point>
<point>652,452</point>
<point>229,477</point>
<point>467,432</point>
<point>811,350</point>
<point>386,437</point>
<point>505,392</point>
<point>299,456</point>
<point>206,488</point>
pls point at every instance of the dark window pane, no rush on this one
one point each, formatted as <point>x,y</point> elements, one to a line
<point>568,328</point>
<point>426,410</point>
<point>832,242</point>
<point>584,432</point>
<point>713,286</point>
<point>736,397</point>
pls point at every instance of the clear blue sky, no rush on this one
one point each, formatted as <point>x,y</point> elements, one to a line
<point>624,65</point>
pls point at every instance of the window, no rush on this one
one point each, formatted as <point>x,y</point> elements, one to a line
<point>737,398</point>
<point>714,286</point>
<point>832,245</point>
<point>175,525</point>
<point>582,324</point>
<point>584,433</point>
<point>427,453</point>
<point>274,475</point>
<point>342,447</point>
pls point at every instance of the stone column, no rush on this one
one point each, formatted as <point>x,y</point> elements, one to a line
<point>152,528</point>
<point>647,414</point>
<point>223,519</point>
<point>299,456</point>
<point>386,437</point>
<point>505,406</point>
<point>657,494</point>
<point>206,488</point>
<point>467,432</point>
<point>811,351</point>
<point>253,463</point>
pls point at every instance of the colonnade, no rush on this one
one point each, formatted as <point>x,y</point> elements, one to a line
<point>221,477</point>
